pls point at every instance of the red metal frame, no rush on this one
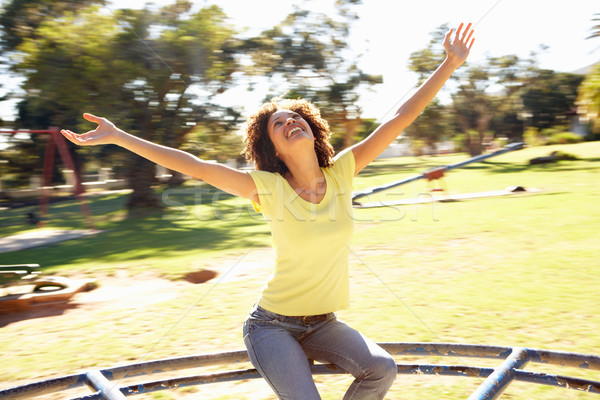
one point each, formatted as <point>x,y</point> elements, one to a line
<point>54,140</point>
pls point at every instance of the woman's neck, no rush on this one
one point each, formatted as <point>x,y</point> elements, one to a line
<point>306,177</point>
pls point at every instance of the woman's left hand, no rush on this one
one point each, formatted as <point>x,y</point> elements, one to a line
<point>458,49</point>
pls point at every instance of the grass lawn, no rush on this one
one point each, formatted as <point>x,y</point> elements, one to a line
<point>515,271</point>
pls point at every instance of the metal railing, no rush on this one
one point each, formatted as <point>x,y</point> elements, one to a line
<point>106,383</point>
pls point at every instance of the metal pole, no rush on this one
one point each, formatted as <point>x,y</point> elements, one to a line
<point>97,381</point>
<point>502,376</point>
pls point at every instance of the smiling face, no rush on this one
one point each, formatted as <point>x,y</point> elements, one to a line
<point>287,130</point>
<point>268,146</point>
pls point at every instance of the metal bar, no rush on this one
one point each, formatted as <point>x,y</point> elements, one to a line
<point>39,388</point>
<point>446,350</point>
<point>502,376</point>
<point>95,396</point>
<point>584,361</point>
<point>65,155</point>
<point>558,380</point>
<point>229,376</point>
<point>330,369</point>
<point>578,360</point>
<point>377,189</point>
<point>109,391</point>
<point>177,363</point>
<point>49,156</point>
<point>13,131</point>
<point>78,189</point>
<point>56,140</point>
<point>505,149</point>
<point>319,369</point>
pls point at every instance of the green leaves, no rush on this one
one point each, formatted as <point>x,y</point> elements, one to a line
<point>589,97</point>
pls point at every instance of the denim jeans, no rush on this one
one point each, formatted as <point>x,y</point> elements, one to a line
<point>279,348</point>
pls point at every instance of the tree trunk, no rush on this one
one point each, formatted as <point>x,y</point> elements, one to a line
<point>176,179</point>
<point>474,142</point>
<point>475,147</point>
<point>483,124</point>
<point>140,177</point>
<point>351,126</point>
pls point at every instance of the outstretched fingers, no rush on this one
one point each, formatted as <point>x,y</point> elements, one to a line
<point>470,44</point>
<point>460,36</point>
<point>458,44</point>
<point>73,137</point>
<point>102,134</point>
<point>448,36</point>
<point>456,37</point>
<point>467,35</point>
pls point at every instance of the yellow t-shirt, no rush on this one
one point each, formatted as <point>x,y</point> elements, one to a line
<point>311,241</point>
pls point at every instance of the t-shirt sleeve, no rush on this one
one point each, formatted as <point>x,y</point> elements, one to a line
<point>266,184</point>
<point>344,165</point>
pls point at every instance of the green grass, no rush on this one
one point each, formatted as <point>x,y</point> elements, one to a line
<point>514,271</point>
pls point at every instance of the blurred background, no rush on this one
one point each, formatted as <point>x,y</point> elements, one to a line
<point>187,74</point>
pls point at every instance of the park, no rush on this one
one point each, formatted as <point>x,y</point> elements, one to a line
<point>518,270</point>
<point>473,259</point>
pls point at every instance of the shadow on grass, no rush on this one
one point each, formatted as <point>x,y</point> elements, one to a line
<point>140,239</point>
<point>63,213</point>
<point>157,235</point>
<point>50,310</point>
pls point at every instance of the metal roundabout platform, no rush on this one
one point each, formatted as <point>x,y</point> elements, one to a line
<point>109,383</point>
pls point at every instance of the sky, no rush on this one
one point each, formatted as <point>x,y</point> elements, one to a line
<point>388,31</point>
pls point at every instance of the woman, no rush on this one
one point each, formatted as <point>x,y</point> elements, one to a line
<point>305,195</point>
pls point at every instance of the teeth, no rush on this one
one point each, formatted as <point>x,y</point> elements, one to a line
<point>292,131</point>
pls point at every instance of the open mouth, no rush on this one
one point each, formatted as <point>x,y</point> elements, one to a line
<point>293,131</point>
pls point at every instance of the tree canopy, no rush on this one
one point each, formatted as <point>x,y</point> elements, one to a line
<point>154,72</point>
<point>502,95</point>
<point>158,74</point>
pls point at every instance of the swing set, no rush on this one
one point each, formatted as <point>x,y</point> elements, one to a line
<point>55,141</point>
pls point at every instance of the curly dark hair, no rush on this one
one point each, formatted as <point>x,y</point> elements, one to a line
<point>259,147</point>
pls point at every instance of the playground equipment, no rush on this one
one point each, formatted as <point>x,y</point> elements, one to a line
<point>56,140</point>
<point>433,174</point>
<point>22,286</point>
<point>108,383</point>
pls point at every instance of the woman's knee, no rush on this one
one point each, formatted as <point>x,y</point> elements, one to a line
<point>384,368</point>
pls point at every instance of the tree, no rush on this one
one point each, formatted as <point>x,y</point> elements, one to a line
<point>549,97</point>
<point>434,124</point>
<point>153,72</point>
<point>485,96</point>
<point>589,98</point>
<point>20,19</point>
<point>589,91</point>
<point>307,56</point>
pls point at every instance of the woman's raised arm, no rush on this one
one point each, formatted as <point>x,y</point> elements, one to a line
<point>457,51</point>
<point>228,179</point>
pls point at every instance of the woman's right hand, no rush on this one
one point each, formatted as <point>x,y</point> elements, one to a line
<point>105,133</point>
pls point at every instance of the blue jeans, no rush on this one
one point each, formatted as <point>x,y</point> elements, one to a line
<point>279,348</point>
